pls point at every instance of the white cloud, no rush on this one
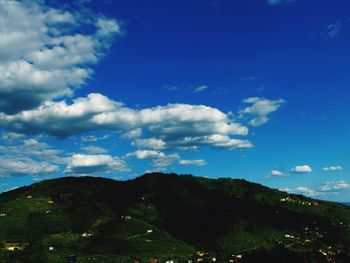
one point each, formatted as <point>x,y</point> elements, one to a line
<point>260,109</point>
<point>30,157</point>
<point>82,164</point>
<point>12,136</point>
<point>94,149</point>
<point>276,173</point>
<point>161,164</point>
<point>303,190</point>
<point>93,138</point>
<point>132,134</point>
<point>25,166</point>
<point>332,168</point>
<point>150,143</point>
<point>302,169</point>
<point>306,191</point>
<point>41,56</point>
<point>107,27</point>
<point>170,126</point>
<point>146,154</point>
<point>327,188</point>
<point>32,149</point>
<point>200,89</point>
<point>337,185</point>
<point>160,160</point>
<point>193,162</point>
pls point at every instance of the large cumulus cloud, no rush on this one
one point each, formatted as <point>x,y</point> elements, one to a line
<point>170,126</point>
<point>41,55</point>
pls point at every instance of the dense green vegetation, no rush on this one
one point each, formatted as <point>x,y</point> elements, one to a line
<point>166,216</point>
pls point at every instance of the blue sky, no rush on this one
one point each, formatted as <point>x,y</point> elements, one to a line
<point>253,89</point>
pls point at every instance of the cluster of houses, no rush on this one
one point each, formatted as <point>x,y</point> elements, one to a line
<point>126,218</point>
<point>330,254</point>
<point>298,239</point>
<point>87,234</point>
<point>200,256</point>
<point>291,200</point>
<point>14,246</point>
<point>49,201</point>
<point>235,259</point>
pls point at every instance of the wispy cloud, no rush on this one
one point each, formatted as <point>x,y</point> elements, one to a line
<point>93,138</point>
<point>161,160</point>
<point>277,173</point>
<point>200,89</point>
<point>260,109</point>
<point>307,191</point>
<point>333,30</point>
<point>12,136</point>
<point>332,168</point>
<point>327,188</point>
<point>91,149</point>
<point>171,88</point>
<point>334,185</point>
<point>250,78</point>
<point>199,162</point>
<point>30,157</point>
<point>280,2</point>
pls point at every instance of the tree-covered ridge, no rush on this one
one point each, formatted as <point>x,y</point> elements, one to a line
<point>167,216</point>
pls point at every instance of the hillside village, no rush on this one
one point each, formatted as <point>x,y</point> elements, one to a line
<point>32,209</point>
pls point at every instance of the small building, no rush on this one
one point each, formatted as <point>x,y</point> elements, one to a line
<point>2,214</point>
<point>14,246</point>
<point>236,258</point>
<point>51,248</point>
<point>29,197</point>
<point>86,234</point>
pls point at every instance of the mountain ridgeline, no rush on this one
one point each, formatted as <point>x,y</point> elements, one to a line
<point>168,217</point>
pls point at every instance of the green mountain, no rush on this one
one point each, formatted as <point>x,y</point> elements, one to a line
<point>168,217</point>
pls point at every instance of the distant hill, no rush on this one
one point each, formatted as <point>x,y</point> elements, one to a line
<point>168,217</point>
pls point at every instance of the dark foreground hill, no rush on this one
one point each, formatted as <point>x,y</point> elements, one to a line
<point>168,217</point>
